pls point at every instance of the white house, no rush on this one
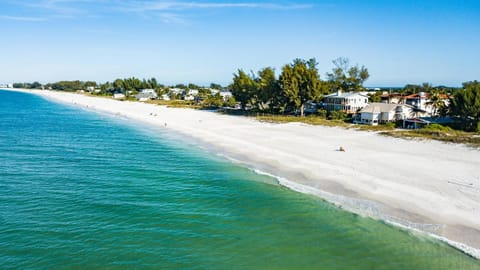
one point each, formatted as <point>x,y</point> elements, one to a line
<point>118,95</point>
<point>193,92</point>
<point>349,102</point>
<point>214,91</point>
<point>165,97</point>
<point>420,102</point>
<point>226,95</point>
<point>176,91</point>
<point>90,88</point>
<point>189,97</point>
<point>146,94</point>
<point>380,113</point>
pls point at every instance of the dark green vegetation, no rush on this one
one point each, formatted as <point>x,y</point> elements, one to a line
<point>298,83</point>
<point>466,106</point>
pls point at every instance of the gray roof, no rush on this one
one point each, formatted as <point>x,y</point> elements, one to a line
<point>379,107</point>
<point>344,95</point>
<point>145,95</point>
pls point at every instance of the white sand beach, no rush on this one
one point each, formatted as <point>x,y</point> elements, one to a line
<point>425,185</point>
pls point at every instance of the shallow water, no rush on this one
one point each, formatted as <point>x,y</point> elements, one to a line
<point>85,190</point>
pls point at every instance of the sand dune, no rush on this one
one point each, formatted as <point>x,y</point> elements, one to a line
<point>427,185</point>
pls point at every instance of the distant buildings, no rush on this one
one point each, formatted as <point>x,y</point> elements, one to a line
<point>422,103</point>
<point>396,98</point>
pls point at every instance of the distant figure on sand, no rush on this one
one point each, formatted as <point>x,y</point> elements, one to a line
<point>165,124</point>
<point>341,149</point>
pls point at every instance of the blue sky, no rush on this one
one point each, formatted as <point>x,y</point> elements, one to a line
<point>200,41</point>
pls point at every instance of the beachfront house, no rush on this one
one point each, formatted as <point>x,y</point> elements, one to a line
<point>146,94</point>
<point>349,102</point>
<point>177,91</point>
<point>165,97</point>
<point>420,102</point>
<point>193,92</point>
<point>190,94</point>
<point>118,95</point>
<point>189,97</point>
<point>381,113</point>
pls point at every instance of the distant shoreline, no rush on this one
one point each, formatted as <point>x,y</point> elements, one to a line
<point>427,186</point>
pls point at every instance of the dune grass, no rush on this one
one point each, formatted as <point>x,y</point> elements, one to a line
<point>444,134</point>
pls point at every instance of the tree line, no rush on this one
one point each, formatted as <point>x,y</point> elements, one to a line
<point>298,83</point>
<point>121,85</point>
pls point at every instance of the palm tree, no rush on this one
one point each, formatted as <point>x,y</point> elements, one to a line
<point>436,102</point>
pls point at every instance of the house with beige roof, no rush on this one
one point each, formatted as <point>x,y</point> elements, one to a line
<point>381,113</point>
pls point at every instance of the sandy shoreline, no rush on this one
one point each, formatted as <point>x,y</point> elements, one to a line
<point>430,186</point>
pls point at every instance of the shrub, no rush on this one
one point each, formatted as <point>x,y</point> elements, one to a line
<point>322,113</point>
<point>390,125</point>
<point>337,115</point>
<point>437,127</point>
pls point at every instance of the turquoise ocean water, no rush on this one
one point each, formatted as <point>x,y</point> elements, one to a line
<point>81,190</point>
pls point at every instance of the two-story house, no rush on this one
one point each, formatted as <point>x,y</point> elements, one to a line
<point>349,102</point>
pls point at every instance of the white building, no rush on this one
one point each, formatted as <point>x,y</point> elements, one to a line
<point>214,91</point>
<point>176,91</point>
<point>349,102</point>
<point>146,94</point>
<point>165,97</point>
<point>420,102</point>
<point>193,92</point>
<point>118,95</point>
<point>381,113</point>
<point>226,95</point>
<point>189,97</point>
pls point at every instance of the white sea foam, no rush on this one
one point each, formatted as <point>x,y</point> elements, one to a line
<point>371,209</point>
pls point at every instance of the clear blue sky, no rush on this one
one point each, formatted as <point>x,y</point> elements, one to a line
<point>399,41</point>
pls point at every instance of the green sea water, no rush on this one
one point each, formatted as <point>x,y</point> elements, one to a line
<point>82,190</point>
